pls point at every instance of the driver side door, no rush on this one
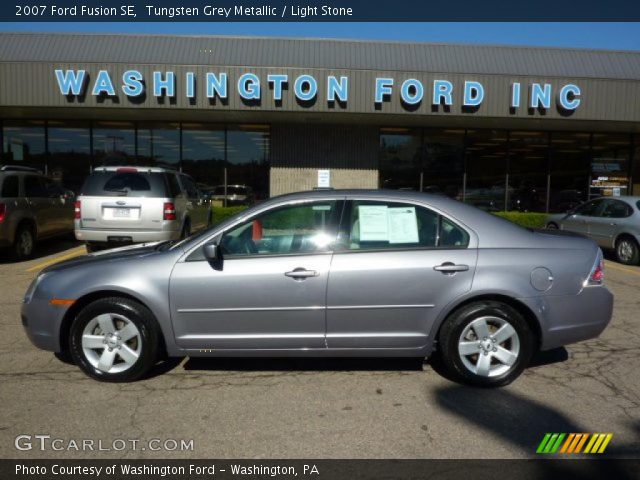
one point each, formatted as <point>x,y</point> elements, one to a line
<point>269,289</point>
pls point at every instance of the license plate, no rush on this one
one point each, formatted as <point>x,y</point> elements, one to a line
<point>121,212</point>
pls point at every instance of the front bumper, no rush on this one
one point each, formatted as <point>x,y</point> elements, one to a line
<point>42,323</point>
<point>568,319</point>
<point>136,236</point>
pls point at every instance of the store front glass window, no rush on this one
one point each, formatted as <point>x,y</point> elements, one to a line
<point>248,158</point>
<point>528,166</point>
<point>400,163</point>
<point>610,164</point>
<point>203,155</point>
<point>69,153</point>
<point>443,162</point>
<point>569,157</point>
<point>486,165</point>
<point>635,174</point>
<point>114,143</point>
<point>24,144</point>
<point>159,145</point>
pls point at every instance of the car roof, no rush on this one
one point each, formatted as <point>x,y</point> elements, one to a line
<point>141,169</point>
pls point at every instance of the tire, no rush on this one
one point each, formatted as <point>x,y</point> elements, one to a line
<point>186,230</point>
<point>627,251</point>
<point>24,243</point>
<point>114,356</point>
<point>94,247</point>
<point>552,226</point>
<point>466,325</point>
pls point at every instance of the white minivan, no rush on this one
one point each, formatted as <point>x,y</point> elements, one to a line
<point>124,205</point>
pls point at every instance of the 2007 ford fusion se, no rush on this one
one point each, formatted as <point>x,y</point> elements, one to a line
<point>329,273</point>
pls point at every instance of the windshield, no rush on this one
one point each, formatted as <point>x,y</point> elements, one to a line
<point>231,190</point>
<point>125,184</point>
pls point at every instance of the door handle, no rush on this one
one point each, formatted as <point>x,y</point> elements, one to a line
<point>449,268</point>
<point>613,224</point>
<point>301,273</point>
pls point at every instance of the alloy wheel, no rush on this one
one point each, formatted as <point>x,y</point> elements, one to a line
<point>25,243</point>
<point>625,250</point>
<point>489,346</point>
<point>111,343</point>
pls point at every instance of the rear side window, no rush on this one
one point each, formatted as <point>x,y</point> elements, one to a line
<point>34,187</point>
<point>190,186</point>
<point>125,184</point>
<point>174,186</point>
<point>374,225</point>
<point>10,187</point>
<point>616,209</point>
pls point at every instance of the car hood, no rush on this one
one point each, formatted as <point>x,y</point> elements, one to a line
<point>116,254</point>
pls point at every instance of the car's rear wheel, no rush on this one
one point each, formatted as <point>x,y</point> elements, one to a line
<point>486,344</point>
<point>24,243</point>
<point>114,340</point>
<point>627,251</point>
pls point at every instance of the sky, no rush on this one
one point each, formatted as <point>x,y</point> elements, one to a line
<point>611,36</point>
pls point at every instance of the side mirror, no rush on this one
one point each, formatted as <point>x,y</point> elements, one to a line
<point>210,251</point>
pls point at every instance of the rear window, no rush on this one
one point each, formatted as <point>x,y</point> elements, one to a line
<point>231,190</point>
<point>10,188</point>
<point>125,184</point>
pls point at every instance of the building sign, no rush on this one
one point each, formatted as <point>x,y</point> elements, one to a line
<point>306,88</point>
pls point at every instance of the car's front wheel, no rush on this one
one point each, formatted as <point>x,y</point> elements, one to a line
<point>627,251</point>
<point>114,340</point>
<point>552,226</point>
<point>486,344</point>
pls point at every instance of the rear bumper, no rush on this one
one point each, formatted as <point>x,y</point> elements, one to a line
<point>136,236</point>
<point>572,318</point>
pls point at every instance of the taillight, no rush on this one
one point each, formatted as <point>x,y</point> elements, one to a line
<point>596,276</point>
<point>77,210</point>
<point>169,211</point>
<point>3,211</point>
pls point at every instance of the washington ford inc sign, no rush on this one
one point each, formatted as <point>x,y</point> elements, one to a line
<point>250,88</point>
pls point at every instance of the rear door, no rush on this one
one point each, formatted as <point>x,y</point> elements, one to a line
<point>124,199</point>
<point>607,224</point>
<point>40,205</point>
<point>397,265</point>
<point>61,206</point>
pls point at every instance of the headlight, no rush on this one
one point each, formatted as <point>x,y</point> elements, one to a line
<point>32,288</point>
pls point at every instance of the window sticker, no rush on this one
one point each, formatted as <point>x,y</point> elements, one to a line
<point>374,223</point>
<point>403,225</point>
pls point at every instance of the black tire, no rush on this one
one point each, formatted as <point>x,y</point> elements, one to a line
<point>140,316</point>
<point>186,229</point>
<point>453,328</point>
<point>627,251</point>
<point>24,243</point>
<point>552,226</point>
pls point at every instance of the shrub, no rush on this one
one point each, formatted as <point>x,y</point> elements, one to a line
<point>525,219</point>
<point>222,213</point>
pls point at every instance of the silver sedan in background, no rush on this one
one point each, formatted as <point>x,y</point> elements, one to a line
<point>613,222</point>
<point>329,273</point>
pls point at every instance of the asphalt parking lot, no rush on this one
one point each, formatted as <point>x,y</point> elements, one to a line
<point>238,408</point>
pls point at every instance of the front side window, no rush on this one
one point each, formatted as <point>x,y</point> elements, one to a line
<point>588,209</point>
<point>295,229</point>
<point>373,225</point>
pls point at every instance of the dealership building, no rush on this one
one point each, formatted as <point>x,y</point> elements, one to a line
<point>536,129</point>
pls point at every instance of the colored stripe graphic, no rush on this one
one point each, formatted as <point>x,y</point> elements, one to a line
<point>553,443</point>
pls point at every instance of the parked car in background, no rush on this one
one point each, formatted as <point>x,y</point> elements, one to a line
<point>123,205</point>
<point>613,222</point>
<point>32,207</point>
<point>329,273</point>
<point>236,195</point>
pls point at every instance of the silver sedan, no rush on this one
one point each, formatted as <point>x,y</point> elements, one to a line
<point>613,222</point>
<point>329,273</point>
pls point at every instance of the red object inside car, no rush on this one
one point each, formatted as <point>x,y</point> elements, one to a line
<point>256,232</point>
